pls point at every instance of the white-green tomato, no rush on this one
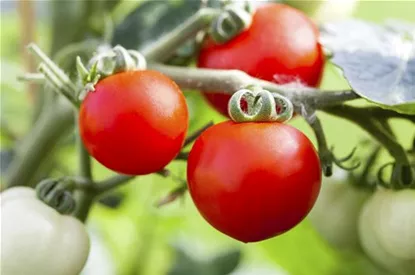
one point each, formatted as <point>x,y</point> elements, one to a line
<point>336,212</point>
<point>387,230</point>
<point>38,240</point>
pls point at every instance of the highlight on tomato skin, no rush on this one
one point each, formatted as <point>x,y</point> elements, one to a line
<point>280,46</point>
<point>253,181</point>
<point>134,122</point>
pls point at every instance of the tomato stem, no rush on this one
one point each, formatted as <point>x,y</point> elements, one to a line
<point>164,48</point>
<point>111,183</point>
<point>368,120</point>
<point>39,144</point>
<point>363,180</point>
<point>172,196</point>
<point>84,169</point>
<point>84,197</point>
<point>196,134</point>
<point>182,156</point>
<point>230,81</point>
<point>326,156</point>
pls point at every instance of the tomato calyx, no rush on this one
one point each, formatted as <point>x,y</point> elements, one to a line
<point>106,63</point>
<point>56,193</point>
<point>254,104</point>
<point>234,19</point>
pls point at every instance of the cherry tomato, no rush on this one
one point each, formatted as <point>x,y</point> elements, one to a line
<point>281,46</point>
<point>386,230</point>
<point>134,122</point>
<point>253,181</point>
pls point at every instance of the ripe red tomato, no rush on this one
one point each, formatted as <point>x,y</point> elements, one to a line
<point>281,46</point>
<point>134,122</point>
<point>253,181</point>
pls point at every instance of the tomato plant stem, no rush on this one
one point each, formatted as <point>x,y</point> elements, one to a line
<point>84,197</point>
<point>363,180</point>
<point>230,81</point>
<point>84,201</point>
<point>326,156</point>
<point>84,169</point>
<point>111,183</point>
<point>196,134</point>
<point>367,119</point>
<point>182,156</point>
<point>39,144</point>
<point>165,47</point>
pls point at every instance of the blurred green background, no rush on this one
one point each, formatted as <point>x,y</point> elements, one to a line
<point>137,238</point>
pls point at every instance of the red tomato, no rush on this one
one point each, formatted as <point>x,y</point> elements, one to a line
<point>134,122</point>
<point>253,181</point>
<point>281,46</point>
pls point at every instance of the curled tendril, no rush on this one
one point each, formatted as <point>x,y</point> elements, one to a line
<point>56,194</point>
<point>402,176</point>
<point>232,21</point>
<point>340,161</point>
<point>261,106</point>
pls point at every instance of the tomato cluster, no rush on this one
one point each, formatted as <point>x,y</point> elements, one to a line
<point>380,222</point>
<point>251,181</point>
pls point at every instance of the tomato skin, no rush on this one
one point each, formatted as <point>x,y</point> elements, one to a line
<point>134,122</point>
<point>36,239</point>
<point>253,181</point>
<point>281,41</point>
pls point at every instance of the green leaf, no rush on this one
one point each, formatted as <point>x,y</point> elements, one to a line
<point>151,20</point>
<point>378,61</point>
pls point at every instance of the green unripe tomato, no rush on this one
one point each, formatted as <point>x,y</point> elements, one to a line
<point>336,212</point>
<point>387,230</point>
